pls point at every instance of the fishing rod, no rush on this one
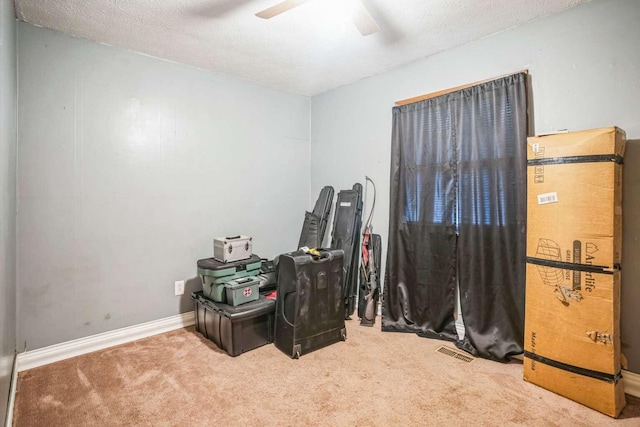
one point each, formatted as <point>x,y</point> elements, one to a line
<point>369,282</point>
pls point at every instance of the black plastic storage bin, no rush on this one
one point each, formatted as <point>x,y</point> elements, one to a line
<point>235,329</point>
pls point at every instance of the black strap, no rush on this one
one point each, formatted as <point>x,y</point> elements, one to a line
<point>610,378</point>
<point>576,159</point>
<point>571,266</point>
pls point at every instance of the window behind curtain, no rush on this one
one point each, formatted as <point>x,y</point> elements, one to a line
<point>457,213</point>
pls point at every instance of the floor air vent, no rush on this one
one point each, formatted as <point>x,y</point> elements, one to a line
<point>455,354</point>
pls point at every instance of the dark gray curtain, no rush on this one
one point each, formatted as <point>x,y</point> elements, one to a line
<point>457,214</point>
<point>421,264</point>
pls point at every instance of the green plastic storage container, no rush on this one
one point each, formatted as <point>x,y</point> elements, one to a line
<point>215,274</point>
<point>240,291</point>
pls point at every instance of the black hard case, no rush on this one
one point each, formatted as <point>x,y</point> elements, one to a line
<point>235,329</point>
<point>315,223</point>
<point>346,236</point>
<point>310,303</point>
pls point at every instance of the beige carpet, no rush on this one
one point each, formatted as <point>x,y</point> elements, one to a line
<point>374,378</point>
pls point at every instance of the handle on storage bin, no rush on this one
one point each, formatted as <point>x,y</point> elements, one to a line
<point>232,237</point>
<point>208,303</point>
<point>204,301</point>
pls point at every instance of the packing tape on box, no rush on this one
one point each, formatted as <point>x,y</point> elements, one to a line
<point>572,266</point>
<point>610,378</point>
<point>576,159</point>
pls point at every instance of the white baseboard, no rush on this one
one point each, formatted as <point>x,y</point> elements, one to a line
<point>12,392</point>
<point>631,383</point>
<point>43,356</point>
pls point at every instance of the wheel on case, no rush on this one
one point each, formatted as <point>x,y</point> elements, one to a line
<point>297,351</point>
<point>343,334</point>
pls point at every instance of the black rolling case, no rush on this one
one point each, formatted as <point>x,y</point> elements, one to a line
<point>310,303</point>
<point>315,223</point>
<point>346,236</point>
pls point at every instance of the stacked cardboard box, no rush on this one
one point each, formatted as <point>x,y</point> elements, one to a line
<point>574,251</point>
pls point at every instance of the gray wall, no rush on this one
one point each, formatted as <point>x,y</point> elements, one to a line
<point>585,69</point>
<point>630,315</point>
<point>128,167</point>
<point>7,198</point>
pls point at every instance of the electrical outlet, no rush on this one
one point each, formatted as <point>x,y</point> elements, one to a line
<point>179,287</point>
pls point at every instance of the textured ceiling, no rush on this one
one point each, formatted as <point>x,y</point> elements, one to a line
<point>305,50</point>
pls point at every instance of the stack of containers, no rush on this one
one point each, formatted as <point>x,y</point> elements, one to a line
<point>234,282</point>
<point>574,253</point>
<point>230,311</point>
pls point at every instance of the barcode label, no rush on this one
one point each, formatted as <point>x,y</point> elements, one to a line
<point>346,204</point>
<point>546,198</point>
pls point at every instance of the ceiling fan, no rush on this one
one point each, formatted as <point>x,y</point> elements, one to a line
<point>358,13</point>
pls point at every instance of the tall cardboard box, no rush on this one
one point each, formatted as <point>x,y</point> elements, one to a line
<point>574,252</point>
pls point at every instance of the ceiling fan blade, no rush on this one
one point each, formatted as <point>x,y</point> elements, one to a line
<point>279,8</point>
<point>361,18</point>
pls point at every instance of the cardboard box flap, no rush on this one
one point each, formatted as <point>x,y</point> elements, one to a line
<point>573,317</point>
<point>603,141</point>
<point>604,396</point>
<point>574,213</point>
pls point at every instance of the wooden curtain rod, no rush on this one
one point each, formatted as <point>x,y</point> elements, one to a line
<point>453,89</point>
